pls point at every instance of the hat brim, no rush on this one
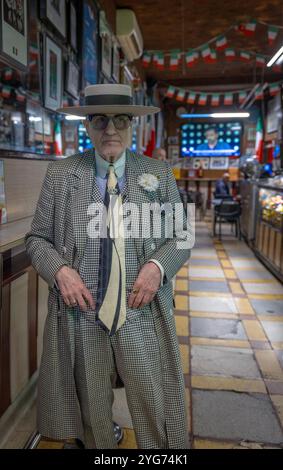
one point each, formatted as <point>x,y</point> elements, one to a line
<point>134,110</point>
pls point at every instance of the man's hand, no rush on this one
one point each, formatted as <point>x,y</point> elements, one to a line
<point>145,286</point>
<point>72,288</point>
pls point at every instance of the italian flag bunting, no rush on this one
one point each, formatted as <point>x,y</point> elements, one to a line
<point>151,143</point>
<point>245,56</point>
<point>180,95</point>
<point>20,97</point>
<point>202,99</point>
<point>260,61</point>
<point>160,61</point>
<point>215,99</point>
<point>228,98</point>
<point>272,34</point>
<point>221,43</point>
<point>57,139</point>
<point>191,97</point>
<point>259,140</point>
<point>276,67</point>
<point>33,51</point>
<point>259,93</point>
<point>248,29</point>
<point>274,88</point>
<point>242,96</point>
<point>170,92</point>
<point>6,91</point>
<point>146,59</point>
<point>191,58</point>
<point>213,58</point>
<point>205,53</point>
<point>8,74</point>
<point>230,54</point>
<point>174,60</point>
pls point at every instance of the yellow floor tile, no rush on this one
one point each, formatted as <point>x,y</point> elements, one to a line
<point>229,343</point>
<point>182,325</point>
<point>181,302</point>
<point>184,351</point>
<point>275,318</point>
<point>207,444</point>
<point>226,263</point>
<point>277,345</point>
<point>230,274</point>
<point>236,287</point>
<point>269,365</point>
<point>254,330</point>
<point>182,284</point>
<point>224,383</point>
<point>278,403</point>
<point>222,254</point>
<point>228,316</point>
<point>183,272</point>
<point>266,296</point>
<point>129,440</point>
<point>197,293</point>
<point>244,306</point>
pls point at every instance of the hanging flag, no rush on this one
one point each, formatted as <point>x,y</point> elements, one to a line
<point>170,92</point>
<point>58,139</point>
<point>191,58</point>
<point>33,51</point>
<point>242,96</point>
<point>212,58</point>
<point>259,93</point>
<point>191,97</point>
<point>174,60</point>
<point>276,67</point>
<point>274,88</point>
<point>151,143</point>
<point>248,28</point>
<point>272,34</point>
<point>8,74</point>
<point>259,140</point>
<point>260,61</point>
<point>146,59</point>
<point>205,53</point>
<point>245,56</point>
<point>221,43</point>
<point>6,91</point>
<point>202,99</point>
<point>228,98</point>
<point>160,61</point>
<point>180,95</point>
<point>230,54</point>
<point>20,97</point>
<point>215,99</point>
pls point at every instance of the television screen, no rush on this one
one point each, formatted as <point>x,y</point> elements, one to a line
<point>207,139</point>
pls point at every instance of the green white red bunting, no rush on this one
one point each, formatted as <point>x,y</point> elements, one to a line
<point>8,74</point>
<point>170,92</point>
<point>202,99</point>
<point>191,58</point>
<point>260,61</point>
<point>191,97</point>
<point>242,96</point>
<point>248,29</point>
<point>215,99</point>
<point>20,97</point>
<point>228,98</point>
<point>213,58</point>
<point>274,88</point>
<point>272,33</point>
<point>259,93</point>
<point>158,60</point>
<point>6,91</point>
<point>146,59</point>
<point>174,60</point>
<point>230,54</point>
<point>245,56</point>
<point>205,53</point>
<point>221,43</point>
<point>180,95</point>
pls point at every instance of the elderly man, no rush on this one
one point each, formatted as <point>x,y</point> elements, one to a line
<point>222,187</point>
<point>110,306</point>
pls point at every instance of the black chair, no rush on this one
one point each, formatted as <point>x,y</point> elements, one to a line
<point>227,212</point>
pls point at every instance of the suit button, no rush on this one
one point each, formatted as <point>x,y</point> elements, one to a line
<point>64,249</point>
<point>171,311</point>
<point>153,246</point>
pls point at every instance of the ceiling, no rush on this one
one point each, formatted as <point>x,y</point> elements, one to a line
<point>185,24</point>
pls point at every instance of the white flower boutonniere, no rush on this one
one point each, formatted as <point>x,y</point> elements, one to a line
<point>148,182</point>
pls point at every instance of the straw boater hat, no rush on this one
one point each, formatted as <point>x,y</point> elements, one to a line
<point>109,98</point>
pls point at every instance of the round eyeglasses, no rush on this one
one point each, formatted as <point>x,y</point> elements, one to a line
<point>100,121</point>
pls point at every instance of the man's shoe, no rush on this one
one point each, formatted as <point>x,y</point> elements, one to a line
<point>119,433</point>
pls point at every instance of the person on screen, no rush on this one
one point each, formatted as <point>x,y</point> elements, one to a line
<point>211,135</point>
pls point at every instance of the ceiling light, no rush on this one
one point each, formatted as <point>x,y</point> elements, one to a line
<point>74,118</point>
<point>215,115</point>
<point>275,57</point>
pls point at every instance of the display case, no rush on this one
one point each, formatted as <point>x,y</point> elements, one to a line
<point>269,239</point>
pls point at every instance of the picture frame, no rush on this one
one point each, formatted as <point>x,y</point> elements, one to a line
<point>54,12</point>
<point>73,40</point>
<point>14,33</point>
<point>219,163</point>
<point>72,79</point>
<point>115,61</point>
<point>89,45</point>
<point>52,74</point>
<point>200,161</point>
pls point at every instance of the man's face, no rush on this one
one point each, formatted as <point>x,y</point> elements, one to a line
<point>211,136</point>
<point>110,143</point>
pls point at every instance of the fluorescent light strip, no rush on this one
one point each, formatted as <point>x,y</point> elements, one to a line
<point>215,115</point>
<point>275,57</point>
<point>70,117</point>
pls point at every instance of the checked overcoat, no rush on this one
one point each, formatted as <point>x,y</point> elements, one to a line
<point>58,237</point>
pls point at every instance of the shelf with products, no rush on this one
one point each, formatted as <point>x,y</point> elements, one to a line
<point>271,202</point>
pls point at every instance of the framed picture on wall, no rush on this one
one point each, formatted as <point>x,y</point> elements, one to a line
<point>52,74</point>
<point>219,163</point>
<point>54,12</point>
<point>89,45</point>
<point>14,33</point>
<point>72,82</point>
<point>115,61</point>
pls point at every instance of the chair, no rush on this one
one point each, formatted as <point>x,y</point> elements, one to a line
<point>227,212</point>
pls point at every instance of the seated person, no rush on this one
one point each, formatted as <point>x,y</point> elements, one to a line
<point>222,188</point>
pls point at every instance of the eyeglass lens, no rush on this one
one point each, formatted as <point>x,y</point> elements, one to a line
<point>100,122</point>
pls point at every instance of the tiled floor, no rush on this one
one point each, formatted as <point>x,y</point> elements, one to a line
<point>229,320</point>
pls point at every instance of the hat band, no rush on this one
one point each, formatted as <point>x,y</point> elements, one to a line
<point>94,100</point>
